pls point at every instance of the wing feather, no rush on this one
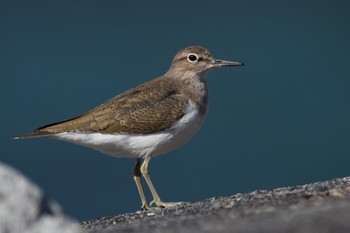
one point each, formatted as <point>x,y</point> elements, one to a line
<point>148,108</point>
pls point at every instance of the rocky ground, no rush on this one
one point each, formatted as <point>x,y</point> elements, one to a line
<point>319,207</point>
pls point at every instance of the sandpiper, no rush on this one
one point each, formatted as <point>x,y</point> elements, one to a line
<point>148,120</point>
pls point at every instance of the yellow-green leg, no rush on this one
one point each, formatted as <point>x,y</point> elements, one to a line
<point>137,178</point>
<point>156,198</point>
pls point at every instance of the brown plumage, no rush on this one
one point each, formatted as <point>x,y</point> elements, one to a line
<point>148,108</point>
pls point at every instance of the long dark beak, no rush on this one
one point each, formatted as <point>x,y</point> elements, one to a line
<point>221,63</point>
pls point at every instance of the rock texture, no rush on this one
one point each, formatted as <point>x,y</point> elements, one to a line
<point>24,208</point>
<point>319,207</point>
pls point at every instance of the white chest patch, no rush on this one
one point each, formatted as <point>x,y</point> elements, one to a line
<point>138,146</point>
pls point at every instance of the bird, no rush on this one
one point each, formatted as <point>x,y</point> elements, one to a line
<point>148,120</point>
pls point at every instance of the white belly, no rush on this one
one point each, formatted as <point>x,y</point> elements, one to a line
<point>138,146</point>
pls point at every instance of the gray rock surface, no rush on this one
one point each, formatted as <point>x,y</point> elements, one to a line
<point>319,207</point>
<point>24,208</point>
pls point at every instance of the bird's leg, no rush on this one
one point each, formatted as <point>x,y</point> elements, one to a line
<point>156,198</point>
<point>137,177</point>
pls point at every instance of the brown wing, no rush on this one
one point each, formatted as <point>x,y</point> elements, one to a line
<point>146,109</point>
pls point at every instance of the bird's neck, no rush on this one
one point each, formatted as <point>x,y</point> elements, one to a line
<point>194,87</point>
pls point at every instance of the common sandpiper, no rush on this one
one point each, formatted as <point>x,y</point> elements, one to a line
<point>148,120</point>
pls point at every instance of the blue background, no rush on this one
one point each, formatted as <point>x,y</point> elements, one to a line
<point>283,119</point>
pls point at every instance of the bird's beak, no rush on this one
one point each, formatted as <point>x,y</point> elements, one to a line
<point>221,63</point>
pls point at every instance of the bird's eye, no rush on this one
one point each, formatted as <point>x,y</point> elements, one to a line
<point>192,57</point>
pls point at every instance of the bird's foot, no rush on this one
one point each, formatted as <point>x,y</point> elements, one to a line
<point>161,204</point>
<point>145,207</point>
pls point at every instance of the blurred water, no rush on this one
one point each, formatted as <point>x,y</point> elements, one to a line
<point>282,119</point>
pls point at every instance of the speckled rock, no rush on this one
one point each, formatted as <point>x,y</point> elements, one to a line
<point>319,207</point>
<point>24,208</point>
